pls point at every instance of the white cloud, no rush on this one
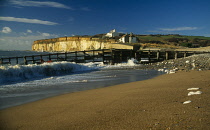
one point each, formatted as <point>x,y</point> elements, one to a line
<point>45,34</point>
<point>18,43</point>
<point>22,3</point>
<point>26,20</point>
<point>6,30</point>
<point>22,42</point>
<point>179,29</point>
<point>29,31</point>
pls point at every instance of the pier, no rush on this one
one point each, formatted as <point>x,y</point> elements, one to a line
<point>107,56</point>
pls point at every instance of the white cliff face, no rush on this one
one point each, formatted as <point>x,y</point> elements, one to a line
<point>77,45</point>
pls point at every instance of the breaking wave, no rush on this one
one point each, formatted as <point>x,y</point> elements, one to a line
<point>23,72</point>
<point>18,73</point>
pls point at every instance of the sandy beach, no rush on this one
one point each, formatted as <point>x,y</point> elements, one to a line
<point>150,104</point>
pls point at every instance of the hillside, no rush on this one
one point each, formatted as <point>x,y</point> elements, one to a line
<point>101,41</point>
<point>176,40</point>
<point>170,40</point>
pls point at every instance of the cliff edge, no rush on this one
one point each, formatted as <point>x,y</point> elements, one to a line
<point>77,44</point>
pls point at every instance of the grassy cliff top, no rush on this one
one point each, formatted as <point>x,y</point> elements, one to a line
<point>165,37</point>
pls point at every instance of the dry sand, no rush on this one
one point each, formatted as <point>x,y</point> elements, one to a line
<point>150,104</point>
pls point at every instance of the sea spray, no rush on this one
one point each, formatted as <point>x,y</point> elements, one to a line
<point>130,63</point>
<point>23,72</point>
<point>19,73</point>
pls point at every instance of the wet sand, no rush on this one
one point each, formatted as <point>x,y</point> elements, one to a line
<point>150,104</point>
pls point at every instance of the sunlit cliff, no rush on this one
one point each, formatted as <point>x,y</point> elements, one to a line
<point>76,44</point>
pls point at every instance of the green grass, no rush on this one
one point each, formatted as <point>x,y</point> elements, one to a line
<point>199,37</point>
<point>162,37</point>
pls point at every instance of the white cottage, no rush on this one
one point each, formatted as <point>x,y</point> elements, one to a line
<point>128,38</point>
<point>124,38</point>
<point>112,33</point>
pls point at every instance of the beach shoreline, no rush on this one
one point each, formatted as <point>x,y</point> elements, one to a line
<point>149,104</point>
<point>21,93</point>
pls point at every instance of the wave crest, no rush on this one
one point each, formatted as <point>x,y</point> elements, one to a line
<point>21,72</point>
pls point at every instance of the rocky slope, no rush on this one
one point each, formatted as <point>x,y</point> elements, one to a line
<point>195,62</point>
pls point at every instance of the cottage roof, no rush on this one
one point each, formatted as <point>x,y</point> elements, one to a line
<point>124,35</point>
<point>129,35</point>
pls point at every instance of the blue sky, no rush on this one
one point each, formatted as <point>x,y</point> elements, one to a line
<point>23,21</point>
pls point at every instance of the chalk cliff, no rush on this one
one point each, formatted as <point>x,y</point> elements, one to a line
<point>76,44</point>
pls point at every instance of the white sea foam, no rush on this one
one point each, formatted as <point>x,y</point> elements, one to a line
<point>168,71</point>
<point>14,73</point>
<point>171,72</point>
<point>21,72</point>
<point>77,81</point>
<point>130,63</point>
<point>161,70</point>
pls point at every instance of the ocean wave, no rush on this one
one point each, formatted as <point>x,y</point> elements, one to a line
<point>19,73</point>
<point>23,72</point>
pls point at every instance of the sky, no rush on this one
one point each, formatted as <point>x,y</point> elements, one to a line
<point>24,21</point>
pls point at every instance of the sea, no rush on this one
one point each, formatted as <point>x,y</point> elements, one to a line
<point>20,84</point>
